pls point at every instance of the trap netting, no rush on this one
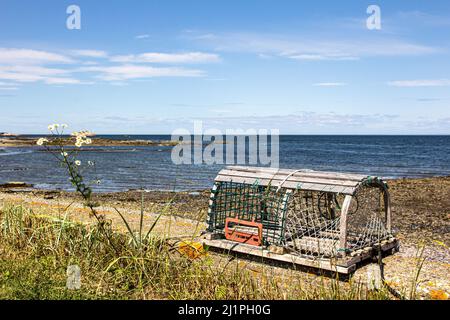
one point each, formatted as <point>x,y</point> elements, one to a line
<point>313,222</point>
<point>305,222</point>
<point>366,223</point>
<point>252,203</point>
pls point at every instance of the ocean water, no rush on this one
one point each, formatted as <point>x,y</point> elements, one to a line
<point>151,167</point>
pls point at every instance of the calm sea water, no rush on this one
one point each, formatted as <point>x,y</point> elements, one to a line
<point>151,167</point>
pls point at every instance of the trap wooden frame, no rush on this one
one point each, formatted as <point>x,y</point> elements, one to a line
<point>277,244</point>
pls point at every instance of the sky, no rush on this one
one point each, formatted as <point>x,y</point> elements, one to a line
<point>147,67</point>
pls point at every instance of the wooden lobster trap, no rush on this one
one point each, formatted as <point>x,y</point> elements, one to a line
<point>326,220</point>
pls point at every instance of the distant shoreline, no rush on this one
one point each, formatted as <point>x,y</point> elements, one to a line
<point>20,141</point>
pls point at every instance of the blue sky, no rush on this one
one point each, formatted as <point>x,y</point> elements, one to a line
<point>155,66</point>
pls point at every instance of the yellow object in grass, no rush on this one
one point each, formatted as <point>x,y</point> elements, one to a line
<point>191,249</point>
<point>442,244</point>
<point>439,295</point>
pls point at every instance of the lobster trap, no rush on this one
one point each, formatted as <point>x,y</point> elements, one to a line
<point>327,220</point>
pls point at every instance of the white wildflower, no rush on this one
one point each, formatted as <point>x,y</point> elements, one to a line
<point>64,154</point>
<point>78,162</point>
<point>41,141</point>
<point>88,141</point>
<point>78,144</point>
<point>51,127</point>
<point>64,126</point>
<point>90,163</point>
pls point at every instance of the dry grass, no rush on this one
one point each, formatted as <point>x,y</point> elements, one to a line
<point>36,250</point>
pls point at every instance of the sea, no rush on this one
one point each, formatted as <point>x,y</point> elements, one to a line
<point>152,168</point>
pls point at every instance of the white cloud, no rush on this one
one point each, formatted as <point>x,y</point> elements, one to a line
<point>168,58</point>
<point>28,73</point>
<point>142,36</point>
<point>129,71</point>
<point>420,83</point>
<point>29,66</point>
<point>309,48</point>
<point>6,84</point>
<point>9,88</point>
<point>330,84</point>
<point>31,73</point>
<point>89,63</point>
<point>321,57</point>
<point>206,36</point>
<point>38,70</point>
<point>298,123</point>
<point>20,77</point>
<point>28,56</point>
<point>90,53</point>
<point>220,110</point>
<point>62,81</point>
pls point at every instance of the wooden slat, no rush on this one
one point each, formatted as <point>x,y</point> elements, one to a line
<point>343,223</point>
<point>294,177</point>
<point>308,180</point>
<point>322,246</point>
<point>325,264</point>
<point>309,173</point>
<point>387,208</point>
<point>289,184</point>
<point>312,173</point>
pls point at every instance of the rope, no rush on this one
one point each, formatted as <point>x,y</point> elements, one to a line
<point>393,291</point>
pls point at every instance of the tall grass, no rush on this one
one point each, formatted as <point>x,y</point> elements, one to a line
<point>36,250</point>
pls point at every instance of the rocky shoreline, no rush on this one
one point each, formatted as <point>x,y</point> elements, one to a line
<point>19,141</point>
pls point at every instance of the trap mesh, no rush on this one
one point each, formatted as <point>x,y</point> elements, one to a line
<point>366,226</point>
<point>312,224</point>
<point>250,203</point>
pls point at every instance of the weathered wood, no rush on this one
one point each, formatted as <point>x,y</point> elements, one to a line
<point>367,253</point>
<point>321,246</point>
<point>374,278</point>
<point>288,184</point>
<point>326,264</point>
<point>343,223</point>
<point>344,265</point>
<point>294,178</point>
<point>309,173</point>
<point>387,208</point>
<point>277,249</point>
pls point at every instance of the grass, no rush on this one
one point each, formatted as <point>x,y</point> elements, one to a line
<point>35,251</point>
